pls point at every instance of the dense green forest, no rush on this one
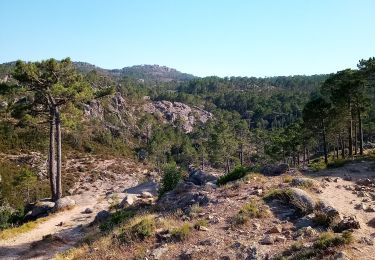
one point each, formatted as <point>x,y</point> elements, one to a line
<point>256,121</point>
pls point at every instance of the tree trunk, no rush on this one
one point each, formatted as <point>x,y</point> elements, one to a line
<point>350,131</point>
<point>355,139</point>
<point>58,154</point>
<point>202,162</point>
<point>51,156</point>
<point>228,166</point>
<point>342,142</point>
<point>325,146</point>
<point>360,132</point>
<point>241,154</point>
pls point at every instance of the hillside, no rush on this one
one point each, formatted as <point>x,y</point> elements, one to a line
<point>233,168</point>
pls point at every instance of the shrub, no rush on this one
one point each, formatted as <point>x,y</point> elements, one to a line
<point>337,163</point>
<point>6,214</point>
<point>280,194</point>
<point>201,223</point>
<point>181,233</point>
<point>250,210</point>
<point>172,176</point>
<point>329,239</point>
<point>324,246</point>
<point>195,209</point>
<point>236,174</point>
<point>116,219</point>
<point>138,229</point>
<point>287,178</point>
<point>144,228</point>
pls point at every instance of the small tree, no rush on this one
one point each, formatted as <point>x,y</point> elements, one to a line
<point>172,176</point>
<point>316,117</point>
<point>53,84</point>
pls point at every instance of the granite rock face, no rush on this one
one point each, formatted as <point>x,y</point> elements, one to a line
<point>177,112</point>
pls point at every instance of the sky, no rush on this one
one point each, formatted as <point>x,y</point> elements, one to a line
<point>202,37</point>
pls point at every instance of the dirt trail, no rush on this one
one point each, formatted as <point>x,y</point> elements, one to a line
<point>66,227</point>
<point>345,201</point>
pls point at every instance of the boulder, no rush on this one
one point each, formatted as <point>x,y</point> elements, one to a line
<point>148,186</point>
<point>267,240</point>
<point>87,211</point>
<point>157,253</point>
<point>327,213</point>
<point>305,182</point>
<point>40,209</point>
<point>347,223</point>
<point>183,197</point>
<point>301,200</point>
<point>199,177</point>
<point>275,229</point>
<point>341,256</point>
<point>146,195</point>
<point>274,170</point>
<point>64,204</point>
<point>102,216</point>
<point>129,200</point>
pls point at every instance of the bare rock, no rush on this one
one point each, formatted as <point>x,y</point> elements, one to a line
<point>199,177</point>
<point>159,252</point>
<point>64,204</point>
<point>146,195</point>
<point>102,216</point>
<point>302,200</point>
<point>129,200</point>
<point>347,223</point>
<point>275,229</point>
<point>40,209</point>
<point>305,182</point>
<point>267,240</point>
<point>87,211</point>
<point>341,256</point>
<point>367,240</point>
<point>274,170</point>
<point>281,239</point>
<point>183,197</point>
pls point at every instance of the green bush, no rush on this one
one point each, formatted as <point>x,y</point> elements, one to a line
<point>172,176</point>
<point>326,244</point>
<point>143,229</point>
<point>252,209</point>
<point>236,174</point>
<point>117,218</point>
<point>6,214</point>
<point>329,239</point>
<point>20,186</point>
<point>181,233</point>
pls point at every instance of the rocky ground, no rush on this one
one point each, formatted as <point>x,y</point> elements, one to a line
<point>240,220</point>
<point>100,184</point>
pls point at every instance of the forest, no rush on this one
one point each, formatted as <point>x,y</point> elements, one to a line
<point>291,119</point>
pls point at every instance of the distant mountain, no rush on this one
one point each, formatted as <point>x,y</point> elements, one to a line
<point>153,73</point>
<point>141,72</point>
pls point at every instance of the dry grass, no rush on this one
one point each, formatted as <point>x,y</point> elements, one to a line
<point>15,231</point>
<point>252,209</point>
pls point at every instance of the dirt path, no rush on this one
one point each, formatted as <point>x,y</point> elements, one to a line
<point>66,227</point>
<point>339,193</point>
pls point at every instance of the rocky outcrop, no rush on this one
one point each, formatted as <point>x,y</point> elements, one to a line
<point>177,112</point>
<point>183,197</point>
<point>302,200</point>
<point>39,209</point>
<point>94,110</point>
<point>199,177</point>
<point>274,170</point>
<point>64,204</point>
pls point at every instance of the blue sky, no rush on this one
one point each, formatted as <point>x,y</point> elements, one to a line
<point>202,37</point>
